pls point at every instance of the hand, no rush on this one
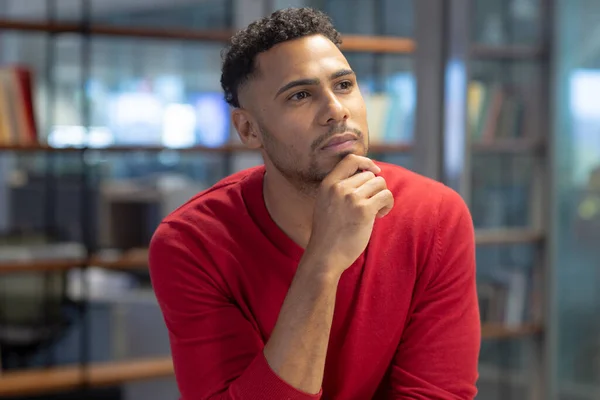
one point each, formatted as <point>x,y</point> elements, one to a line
<point>345,210</point>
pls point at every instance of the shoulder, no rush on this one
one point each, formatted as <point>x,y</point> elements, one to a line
<point>207,216</point>
<point>190,241</point>
<point>222,197</point>
<point>432,219</point>
<point>419,194</point>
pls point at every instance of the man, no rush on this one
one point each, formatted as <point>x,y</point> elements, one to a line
<point>322,274</point>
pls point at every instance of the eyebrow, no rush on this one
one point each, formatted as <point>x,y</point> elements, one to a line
<point>313,81</point>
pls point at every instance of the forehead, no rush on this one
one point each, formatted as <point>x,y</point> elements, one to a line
<point>307,57</point>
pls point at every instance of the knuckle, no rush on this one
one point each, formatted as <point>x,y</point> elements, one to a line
<point>362,210</point>
<point>351,197</point>
<point>336,189</point>
<point>369,175</point>
<point>381,181</point>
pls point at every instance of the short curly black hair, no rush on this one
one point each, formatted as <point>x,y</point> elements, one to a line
<point>261,35</point>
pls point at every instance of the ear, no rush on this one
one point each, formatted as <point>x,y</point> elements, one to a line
<point>246,127</point>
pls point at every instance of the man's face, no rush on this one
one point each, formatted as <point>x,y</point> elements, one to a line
<point>308,109</point>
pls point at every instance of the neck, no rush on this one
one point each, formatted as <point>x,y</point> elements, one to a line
<point>290,207</point>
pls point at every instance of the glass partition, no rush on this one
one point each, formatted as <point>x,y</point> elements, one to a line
<point>576,211</point>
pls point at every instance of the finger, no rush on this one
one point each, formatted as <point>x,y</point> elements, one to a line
<point>359,179</point>
<point>382,202</point>
<point>349,166</point>
<point>371,187</point>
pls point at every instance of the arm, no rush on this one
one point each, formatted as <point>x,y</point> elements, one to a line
<point>217,353</point>
<point>297,347</point>
<point>438,355</point>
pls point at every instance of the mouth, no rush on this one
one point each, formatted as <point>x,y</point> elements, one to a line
<point>340,142</point>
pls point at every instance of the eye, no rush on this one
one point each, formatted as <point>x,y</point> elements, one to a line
<point>299,96</point>
<point>345,85</point>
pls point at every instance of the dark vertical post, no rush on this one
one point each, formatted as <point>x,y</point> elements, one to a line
<point>430,36</point>
<point>378,58</point>
<point>50,181</point>
<point>86,189</point>
<point>50,157</point>
<point>456,155</point>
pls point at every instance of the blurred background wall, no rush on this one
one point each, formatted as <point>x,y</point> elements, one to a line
<point>111,115</point>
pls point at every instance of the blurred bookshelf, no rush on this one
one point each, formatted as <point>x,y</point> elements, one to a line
<point>506,142</point>
<point>80,65</point>
<point>356,43</point>
<point>508,135</point>
<point>67,378</point>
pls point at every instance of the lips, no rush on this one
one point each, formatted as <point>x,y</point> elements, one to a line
<point>341,138</point>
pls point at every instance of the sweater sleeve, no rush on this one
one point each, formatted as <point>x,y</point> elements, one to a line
<point>217,353</point>
<point>438,354</point>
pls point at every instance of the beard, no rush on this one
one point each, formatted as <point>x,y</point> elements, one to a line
<point>288,160</point>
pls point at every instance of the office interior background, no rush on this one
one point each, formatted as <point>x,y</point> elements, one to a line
<point>111,115</point>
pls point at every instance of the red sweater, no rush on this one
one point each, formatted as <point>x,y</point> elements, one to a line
<point>406,321</point>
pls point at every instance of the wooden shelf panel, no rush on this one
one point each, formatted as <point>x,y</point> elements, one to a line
<point>42,381</point>
<point>351,43</point>
<point>138,258</point>
<point>513,52</point>
<point>232,148</point>
<point>496,331</point>
<point>126,149</point>
<point>7,267</point>
<point>37,148</point>
<point>507,236</point>
<point>132,259</point>
<point>378,44</point>
<point>390,148</point>
<point>51,380</point>
<point>111,30</point>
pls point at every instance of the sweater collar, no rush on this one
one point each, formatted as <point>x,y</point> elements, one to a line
<point>252,191</point>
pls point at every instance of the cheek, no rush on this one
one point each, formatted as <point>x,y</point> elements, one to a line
<point>287,135</point>
<point>358,105</point>
<point>359,112</point>
<point>297,128</point>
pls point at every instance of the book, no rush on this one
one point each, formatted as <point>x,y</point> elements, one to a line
<point>17,115</point>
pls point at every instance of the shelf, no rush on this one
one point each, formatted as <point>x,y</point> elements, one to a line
<point>7,267</point>
<point>509,146</point>
<point>507,236</point>
<point>37,148</point>
<point>131,259</point>
<point>125,149</point>
<point>390,148</point>
<point>495,331</point>
<point>138,258</point>
<point>513,52</point>
<point>377,44</point>
<point>58,379</point>
<point>351,43</point>
<point>230,148</point>
<point>108,30</point>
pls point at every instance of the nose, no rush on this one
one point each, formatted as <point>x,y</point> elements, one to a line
<point>334,111</point>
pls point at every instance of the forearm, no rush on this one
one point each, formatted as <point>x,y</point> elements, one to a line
<point>297,348</point>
